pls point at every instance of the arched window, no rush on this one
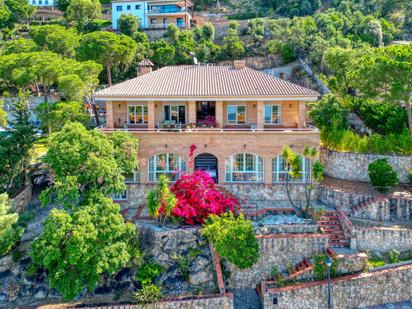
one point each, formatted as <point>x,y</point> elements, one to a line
<point>244,167</point>
<point>279,170</point>
<point>168,164</point>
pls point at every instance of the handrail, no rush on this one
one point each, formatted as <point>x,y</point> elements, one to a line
<point>200,130</point>
<point>345,222</point>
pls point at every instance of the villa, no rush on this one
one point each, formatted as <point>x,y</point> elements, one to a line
<point>238,118</point>
<point>154,15</point>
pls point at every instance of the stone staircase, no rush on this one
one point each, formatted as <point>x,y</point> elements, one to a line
<point>248,209</point>
<point>300,270</point>
<point>330,224</point>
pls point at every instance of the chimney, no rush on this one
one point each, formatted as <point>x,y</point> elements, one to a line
<point>239,64</point>
<point>282,75</point>
<point>143,67</point>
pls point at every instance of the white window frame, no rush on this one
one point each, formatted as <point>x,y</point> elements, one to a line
<point>154,174</point>
<point>279,106</point>
<point>138,7</point>
<point>259,170</point>
<point>143,113</point>
<point>136,178</point>
<point>236,120</point>
<point>120,197</point>
<point>170,109</point>
<point>277,170</point>
<point>119,8</point>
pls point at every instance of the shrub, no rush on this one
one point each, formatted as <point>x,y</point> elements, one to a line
<point>410,176</point>
<point>161,201</point>
<point>346,140</point>
<point>183,265</point>
<point>328,113</point>
<point>320,269</point>
<point>382,175</point>
<point>394,256</point>
<point>233,238</point>
<point>148,272</point>
<point>149,294</point>
<point>10,233</point>
<point>197,198</point>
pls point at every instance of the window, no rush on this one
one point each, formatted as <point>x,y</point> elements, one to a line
<point>40,2</point>
<point>120,196</point>
<point>132,177</point>
<point>279,170</point>
<point>129,7</point>
<point>179,22</point>
<point>153,21</point>
<point>236,114</point>
<point>272,114</point>
<point>244,167</point>
<point>138,7</point>
<point>46,2</point>
<point>34,2</point>
<point>137,114</point>
<point>119,8</point>
<point>168,164</point>
<point>176,113</point>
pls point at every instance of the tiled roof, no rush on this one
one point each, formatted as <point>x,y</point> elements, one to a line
<point>205,81</point>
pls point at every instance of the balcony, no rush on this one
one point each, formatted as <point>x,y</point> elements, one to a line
<point>190,129</point>
<point>165,25</point>
<point>166,10</point>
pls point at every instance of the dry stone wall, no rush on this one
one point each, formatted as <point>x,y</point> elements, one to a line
<point>354,166</point>
<point>355,291</point>
<point>278,250</point>
<point>22,200</point>
<point>383,239</point>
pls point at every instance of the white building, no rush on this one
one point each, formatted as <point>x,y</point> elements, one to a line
<point>154,14</point>
<point>42,2</point>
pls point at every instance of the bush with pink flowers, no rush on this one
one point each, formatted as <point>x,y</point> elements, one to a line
<point>197,198</point>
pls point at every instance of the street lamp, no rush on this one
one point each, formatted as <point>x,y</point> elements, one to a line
<point>328,264</point>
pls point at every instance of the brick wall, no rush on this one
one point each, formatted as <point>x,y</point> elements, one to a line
<point>367,289</point>
<point>277,250</point>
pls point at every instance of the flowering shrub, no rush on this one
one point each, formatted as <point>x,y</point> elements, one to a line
<point>197,198</point>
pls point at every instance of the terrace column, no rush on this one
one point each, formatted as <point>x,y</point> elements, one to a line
<point>219,114</point>
<point>109,115</point>
<point>302,114</point>
<point>268,170</point>
<point>150,115</point>
<point>221,169</point>
<point>192,112</point>
<point>260,106</point>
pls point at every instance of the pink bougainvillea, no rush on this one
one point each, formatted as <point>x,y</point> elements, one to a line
<point>197,198</point>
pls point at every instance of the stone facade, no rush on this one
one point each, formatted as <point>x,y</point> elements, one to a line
<point>278,250</point>
<point>166,246</point>
<point>383,239</point>
<point>345,200</point>
<point>286,229</point>
<point>354,291</point>
<point>354,166</point>
<point>401,206</point>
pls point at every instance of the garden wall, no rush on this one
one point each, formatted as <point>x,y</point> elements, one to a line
<point>277,250</point>
<point>209,301</point>
<point>383,239</point>
<point>354,166</point>
<point>366,289</point>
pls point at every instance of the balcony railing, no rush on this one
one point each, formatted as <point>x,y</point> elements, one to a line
<point>165,25</point>
<point>210,130</point>
<point>166,10</point>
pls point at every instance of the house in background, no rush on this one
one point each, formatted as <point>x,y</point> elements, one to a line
<point>42,3</point>
<point>238,118</point>
<point>154,14</point>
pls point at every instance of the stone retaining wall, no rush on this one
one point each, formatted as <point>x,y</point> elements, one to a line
<point>286,229</point>
<point>354,166</point>
<point>209,301</point>
<point>345,200</point>
<point>367,289</point>
<point>383,239</point>
<point>278,250</point>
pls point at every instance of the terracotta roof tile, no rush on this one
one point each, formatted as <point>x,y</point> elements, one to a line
<point>205,81</point>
